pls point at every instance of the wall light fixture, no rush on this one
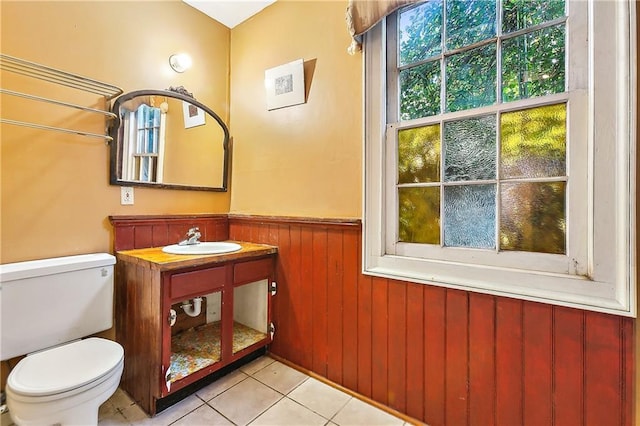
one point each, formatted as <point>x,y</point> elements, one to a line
<point>180,62</point>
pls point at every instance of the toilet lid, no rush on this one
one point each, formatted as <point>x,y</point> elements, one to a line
<point>65,367</point>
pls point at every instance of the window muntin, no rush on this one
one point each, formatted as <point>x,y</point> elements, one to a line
<point>476,65</point>
<point>528,172</point>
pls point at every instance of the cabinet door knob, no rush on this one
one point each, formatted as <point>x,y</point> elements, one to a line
<point>173,316</point>
<point>167,379</point>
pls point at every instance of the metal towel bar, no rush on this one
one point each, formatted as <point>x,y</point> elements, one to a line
<point>56,76</point>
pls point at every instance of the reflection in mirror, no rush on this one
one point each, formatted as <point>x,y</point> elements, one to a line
<point>167,139</point>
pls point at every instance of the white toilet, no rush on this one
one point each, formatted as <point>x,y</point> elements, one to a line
<point>46,307</point>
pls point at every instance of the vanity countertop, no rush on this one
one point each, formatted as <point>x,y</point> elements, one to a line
<point>155,258</point>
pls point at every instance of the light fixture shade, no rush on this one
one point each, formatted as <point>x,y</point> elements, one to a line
<point>180,62</point>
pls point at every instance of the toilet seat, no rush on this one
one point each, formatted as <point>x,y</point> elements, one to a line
<point>66,369</point>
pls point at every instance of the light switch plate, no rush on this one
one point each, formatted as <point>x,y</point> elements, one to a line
<point>126,195</point>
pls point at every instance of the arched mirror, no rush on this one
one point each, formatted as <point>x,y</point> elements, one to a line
<point>167,139</point>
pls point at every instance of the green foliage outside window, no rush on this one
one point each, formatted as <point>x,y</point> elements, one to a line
<point>529,143</point>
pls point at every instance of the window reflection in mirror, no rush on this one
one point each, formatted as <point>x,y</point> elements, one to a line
<point>168,140</point>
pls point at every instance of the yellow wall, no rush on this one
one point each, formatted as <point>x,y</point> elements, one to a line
<point>55,192</point>
<point>303,160</point>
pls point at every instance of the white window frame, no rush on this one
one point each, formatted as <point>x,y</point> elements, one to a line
<point>605,252</point>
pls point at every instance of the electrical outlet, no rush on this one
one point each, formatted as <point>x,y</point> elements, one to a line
<point>126,195</point>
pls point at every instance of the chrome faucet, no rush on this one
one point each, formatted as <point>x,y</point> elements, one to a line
<point>192,237</point>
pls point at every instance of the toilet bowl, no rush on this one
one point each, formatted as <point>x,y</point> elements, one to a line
<point>50,307</point>
<point>66,384</point>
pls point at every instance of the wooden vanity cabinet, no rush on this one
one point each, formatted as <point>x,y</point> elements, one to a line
<point>162,360</point>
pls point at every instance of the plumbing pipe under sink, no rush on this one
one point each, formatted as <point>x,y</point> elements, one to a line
<point>192,309</point>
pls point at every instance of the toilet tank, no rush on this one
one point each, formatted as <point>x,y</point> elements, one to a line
<point>44,303</point>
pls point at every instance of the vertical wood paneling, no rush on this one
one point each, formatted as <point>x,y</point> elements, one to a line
<point>305,299</point>
<point>509,362</point>
<point>296,293</point>
<point>568,338</point>
<point>131,232</point>
<point>245,233</point>
<point>537,329</point>
<point>143,236</point>
<point>283,328</point>
<point>278,304</point>
<point>629,405</point>
<point>482,367</point>
<point>434,352</point>
<point>124,238</point>
<point>263,233</point>
<point>176,232</point>
<point>272,237</point>
<point>445,357</point>
<point>415,351</point>
<point>603,370</point>
<point>160,235</point>
<point>397,305</point>
<point>351,253</point>
<point>379,340</point>
<point>235,229</point>
<point>222,230</point>
<point>319,310</point>
<point>335,266</point>
<point>457,358</point>
<point>364,335</point>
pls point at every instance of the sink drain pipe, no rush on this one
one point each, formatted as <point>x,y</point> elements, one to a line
<point>192,309</point>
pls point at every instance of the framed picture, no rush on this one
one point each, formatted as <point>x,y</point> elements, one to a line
<point>193,116</point>
<point>285,85</point>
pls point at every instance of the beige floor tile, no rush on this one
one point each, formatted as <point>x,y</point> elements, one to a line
<point>137,417</point>
<point>280,377</point>
<point>179,410</point>
<point>107,409</point>
<point>115,420</point>
<point>6,420</point>
<point>134,415</point>
<point>120,399</point>
<point>204,415</point>
<point>288,413</point>
<point>319,397</point>
<point>357,412</point>
<point>221,385</point>
<point>245,401</point>
<point>256,365</point>
<point>109,415</point>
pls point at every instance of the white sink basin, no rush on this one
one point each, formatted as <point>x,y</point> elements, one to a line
<point>213,247</point>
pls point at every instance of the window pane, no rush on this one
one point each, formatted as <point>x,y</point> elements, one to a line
<point>469,21</point>
<point>533,64</point>
<point>519,14</point>
<point>419,154</point>
<point>471,78</point>
<point>420,91</point>
<point>470,216</point>
<point>470,149</point>
<point>533,142</point>
<point>419,215</point>
<point>420,31</point>
<point>532,217</point>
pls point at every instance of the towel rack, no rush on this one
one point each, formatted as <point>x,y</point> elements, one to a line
<point>56,76</point>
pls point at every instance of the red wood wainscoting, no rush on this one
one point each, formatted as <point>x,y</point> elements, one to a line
<point>132,232</point>
<point>439,355</point>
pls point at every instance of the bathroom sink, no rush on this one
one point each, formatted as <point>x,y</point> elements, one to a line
<point>212,247</point>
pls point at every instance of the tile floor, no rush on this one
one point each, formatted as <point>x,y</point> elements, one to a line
<point>263,392</point>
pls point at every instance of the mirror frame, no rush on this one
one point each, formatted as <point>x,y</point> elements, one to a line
<point>114,131</point>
